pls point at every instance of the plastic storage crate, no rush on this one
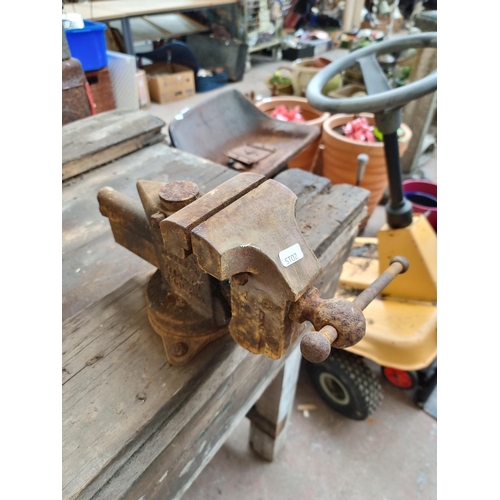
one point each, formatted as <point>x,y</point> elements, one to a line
<point>291,54</point>
<point>205,83</point>
<point>88,45</point>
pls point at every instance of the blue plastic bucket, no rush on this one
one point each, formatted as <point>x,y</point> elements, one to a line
<point>88,45</point>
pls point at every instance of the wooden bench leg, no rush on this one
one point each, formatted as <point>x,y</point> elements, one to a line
<point>271,413</point>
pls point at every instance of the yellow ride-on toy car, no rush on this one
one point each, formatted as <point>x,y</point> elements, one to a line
<point>401,331</point>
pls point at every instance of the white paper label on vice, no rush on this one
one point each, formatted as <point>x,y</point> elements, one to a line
<point>291,255</point>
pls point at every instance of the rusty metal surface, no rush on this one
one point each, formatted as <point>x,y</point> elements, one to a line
<point>230,238</point>
<point>233,259</point>
<point>398,265</point>
<point>177,229</point>
<point>340,322</point>
<point>249,234</point>
<point>248,154</point>
<point>286,144</point>
<point>245,239</point>
<point>75,101</point>
<point>128,223</point>
<point>183,301</point>
<point>316,346</point>
<point>222,125</point>
<point>186,306</point>
<point>178,194</point>
<point>183,329</point>
<point>75,105</point>
<point>72,74</point>
<point>346,318</point>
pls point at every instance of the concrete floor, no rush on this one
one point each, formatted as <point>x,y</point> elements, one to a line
<point>390,456</point>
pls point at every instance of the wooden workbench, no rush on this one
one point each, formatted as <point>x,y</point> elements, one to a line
<point>135,427</point>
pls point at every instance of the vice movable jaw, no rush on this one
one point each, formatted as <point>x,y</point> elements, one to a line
<point>232,260</point>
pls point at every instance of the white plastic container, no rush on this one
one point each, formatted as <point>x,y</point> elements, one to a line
<point>122,71</point>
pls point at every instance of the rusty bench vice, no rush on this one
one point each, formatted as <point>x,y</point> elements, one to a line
<point>233,260</point>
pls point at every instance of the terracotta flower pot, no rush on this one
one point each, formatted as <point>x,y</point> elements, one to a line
<point>303,71</point>
<point>307,159</point>
<point>282,89</point>
<point>340,158</point>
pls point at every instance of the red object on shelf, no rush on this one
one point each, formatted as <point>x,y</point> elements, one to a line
<point>91,100</point>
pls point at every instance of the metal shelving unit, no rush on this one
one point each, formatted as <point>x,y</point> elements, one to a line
<point>260,24</point>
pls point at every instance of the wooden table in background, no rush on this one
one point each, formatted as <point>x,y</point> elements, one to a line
<point>133,425</point>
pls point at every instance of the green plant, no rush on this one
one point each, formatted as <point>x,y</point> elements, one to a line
<point>279,79</point>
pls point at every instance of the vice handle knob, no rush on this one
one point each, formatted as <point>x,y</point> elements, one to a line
<point>316,346</point>
<point>339,323</point>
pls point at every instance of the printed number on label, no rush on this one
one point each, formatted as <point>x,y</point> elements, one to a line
<point>291,255</point>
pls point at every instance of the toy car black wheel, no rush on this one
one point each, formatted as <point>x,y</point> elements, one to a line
<point>347,384</point>
<point>400,378</point>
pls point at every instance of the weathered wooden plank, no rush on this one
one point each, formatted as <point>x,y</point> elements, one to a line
<point>333,258</point>
<point>166,477</point>
<point>336,210</point>
<point>98,132</point>
<point>193,445</point>
<point>88,272</point>
<point>159,162</point>
<point>123,396</point>
<point>77,167</point>
<point>327,214</point>
<point>271,413</point>
<point>304,184</point>
<point>76,354</point>
<point>93,264</point>
<point>99,139</point>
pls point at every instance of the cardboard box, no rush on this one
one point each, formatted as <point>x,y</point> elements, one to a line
<point>142,89</point>
<point>169,82</point>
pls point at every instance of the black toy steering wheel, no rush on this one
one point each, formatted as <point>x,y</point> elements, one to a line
<point>384,102</point>
<point>381,97</point>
